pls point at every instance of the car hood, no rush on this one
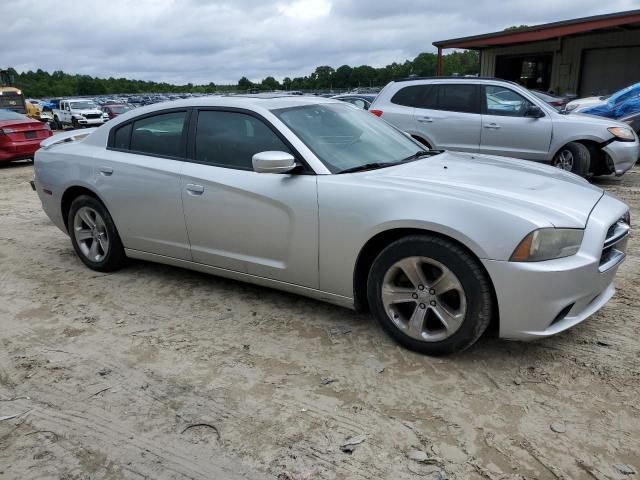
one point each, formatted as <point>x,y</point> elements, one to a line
<point>88,110</point>
<point>542,193</point>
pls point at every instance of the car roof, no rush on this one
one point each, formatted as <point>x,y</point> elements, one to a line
<point>260,103</point>
<point>249,101</point>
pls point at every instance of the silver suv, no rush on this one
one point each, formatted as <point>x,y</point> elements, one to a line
<point>497,117</point>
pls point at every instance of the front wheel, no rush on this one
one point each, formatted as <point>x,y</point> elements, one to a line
<point>430,294</point>
<point>94,236</point>
<point>573,157</point>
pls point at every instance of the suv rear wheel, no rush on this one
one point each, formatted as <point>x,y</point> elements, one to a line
<point>573,157</point>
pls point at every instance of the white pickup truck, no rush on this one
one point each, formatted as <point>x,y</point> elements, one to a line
<point>77,112</point>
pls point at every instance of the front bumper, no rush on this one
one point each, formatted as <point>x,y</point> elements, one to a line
<point>624,155</point>
<point>90,121</point>
<point>540,299</point>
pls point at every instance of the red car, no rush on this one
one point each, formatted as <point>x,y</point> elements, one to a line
<point>116,109</point>
<point>20,136</point>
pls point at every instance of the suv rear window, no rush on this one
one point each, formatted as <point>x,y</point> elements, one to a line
<point>410,96</point>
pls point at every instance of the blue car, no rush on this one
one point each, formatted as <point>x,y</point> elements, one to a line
<point>621,104</point>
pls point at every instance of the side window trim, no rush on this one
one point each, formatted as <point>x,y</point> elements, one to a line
<point>183,138</point>
<point>192,128</point>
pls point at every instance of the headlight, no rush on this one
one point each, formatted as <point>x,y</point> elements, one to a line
<point>570,108</point>
<point>547,244</point>
<point>621,133</point>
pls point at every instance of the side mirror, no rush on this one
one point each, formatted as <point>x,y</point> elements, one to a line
<point>534,111</point>
<point>273,162</point>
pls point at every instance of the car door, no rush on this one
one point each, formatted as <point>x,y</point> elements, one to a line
<point>448,116</point>
<point>257,223</point>
<point>65,112</point>
<point>506,128</point>
<point>138,176</point>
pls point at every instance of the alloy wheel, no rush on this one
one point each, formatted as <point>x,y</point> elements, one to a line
<point>564,160</point>
<point>424,299</point>
<point>90,232</point>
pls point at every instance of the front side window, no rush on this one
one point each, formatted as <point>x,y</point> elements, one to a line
<point>505,102</point>
<point>231,139</point>
<point>159,134</point>
<point>344,138</point>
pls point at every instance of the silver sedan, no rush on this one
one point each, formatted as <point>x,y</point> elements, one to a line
<point>317,197</point>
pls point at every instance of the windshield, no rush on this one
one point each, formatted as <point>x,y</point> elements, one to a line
<point>83,105</point>
<point>344,137</point>
<point>119,108</point>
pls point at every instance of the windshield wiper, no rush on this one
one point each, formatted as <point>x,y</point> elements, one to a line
<point>417,155</point>
<point>367,166</point>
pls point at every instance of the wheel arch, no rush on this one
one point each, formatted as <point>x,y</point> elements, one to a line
<point>70,194</point>
<point>380,241</point>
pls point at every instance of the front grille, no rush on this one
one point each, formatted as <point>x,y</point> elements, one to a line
<point>615,245</point>
<point>93,115</point>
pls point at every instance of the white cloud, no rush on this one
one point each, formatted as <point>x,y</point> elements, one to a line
<point>199,41</point>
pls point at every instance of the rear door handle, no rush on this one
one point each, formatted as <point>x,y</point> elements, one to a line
<point>425,119</point>
<point>106,171</point>
<point>494,126</point>
<point>194,189</point>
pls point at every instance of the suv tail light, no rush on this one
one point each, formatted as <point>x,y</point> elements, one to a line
<point>377,113</point>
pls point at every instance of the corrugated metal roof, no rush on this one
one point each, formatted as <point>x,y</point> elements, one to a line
<point>545,31</point>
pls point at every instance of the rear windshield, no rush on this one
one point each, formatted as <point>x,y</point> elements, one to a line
<point>10,115</point>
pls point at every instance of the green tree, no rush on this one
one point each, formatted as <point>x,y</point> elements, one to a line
<point>244,84</point>
<point>270,83</point>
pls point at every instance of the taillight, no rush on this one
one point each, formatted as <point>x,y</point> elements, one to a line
<point>377,113</point>
<point>6,131</point>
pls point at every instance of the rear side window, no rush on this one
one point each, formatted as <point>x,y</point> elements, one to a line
<point>410,96</point>
<point>121,137</point>
<point>230,139</point>
<point>455,98</point>
<point>159,134</point>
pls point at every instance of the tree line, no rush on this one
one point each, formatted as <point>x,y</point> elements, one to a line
<point>57,84</point>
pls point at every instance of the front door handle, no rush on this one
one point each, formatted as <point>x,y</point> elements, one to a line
<point>194,189</point>
<point>425,119</point>
<point>494,126</point>
<point>106,171</point>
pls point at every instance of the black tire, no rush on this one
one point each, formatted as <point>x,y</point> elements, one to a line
<point>58,123</point>
<point>470,275</point>
<point>74,124</point>
<point>580,155</point>
<point>115,257</point>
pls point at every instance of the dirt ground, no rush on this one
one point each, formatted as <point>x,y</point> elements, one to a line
<point>157,372</point>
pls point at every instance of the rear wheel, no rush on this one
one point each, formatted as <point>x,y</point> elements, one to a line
<point>430,294</point>
<point>94,236</point>
<point>573,157</point>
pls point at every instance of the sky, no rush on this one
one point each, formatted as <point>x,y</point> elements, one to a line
<point>202,41</point>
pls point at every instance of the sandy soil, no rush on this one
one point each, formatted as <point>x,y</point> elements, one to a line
<point>157,372</point>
